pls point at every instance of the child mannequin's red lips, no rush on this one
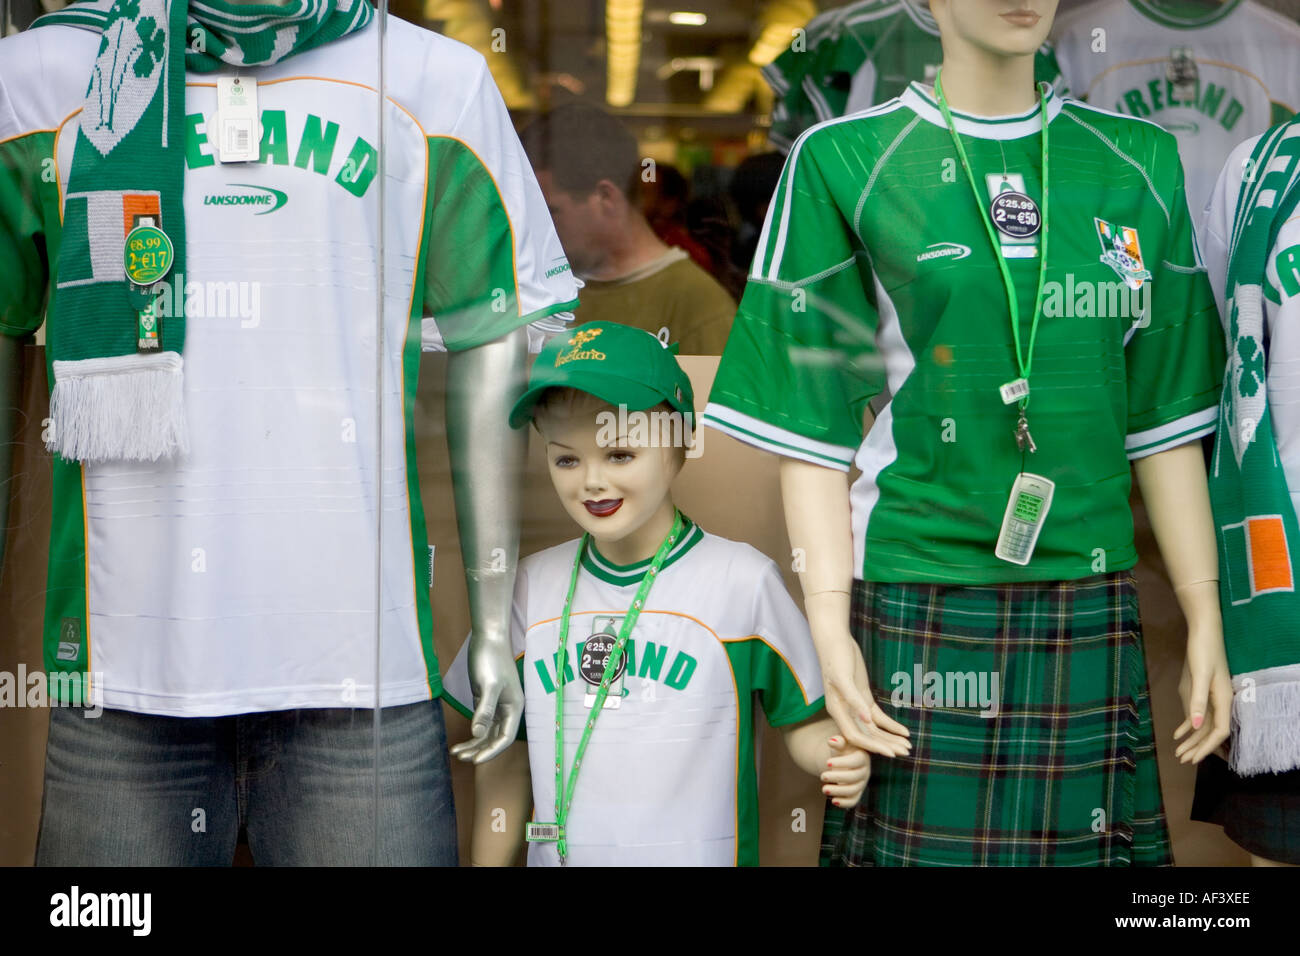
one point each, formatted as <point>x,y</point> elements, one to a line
<point>603,508</point>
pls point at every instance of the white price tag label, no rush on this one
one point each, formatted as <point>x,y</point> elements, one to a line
<point>1014,391</point>
<point>238,135</point>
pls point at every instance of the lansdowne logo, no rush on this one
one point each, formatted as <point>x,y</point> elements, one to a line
<point>261,198</point>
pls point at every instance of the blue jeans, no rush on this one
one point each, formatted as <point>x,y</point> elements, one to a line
<point>142,790</point>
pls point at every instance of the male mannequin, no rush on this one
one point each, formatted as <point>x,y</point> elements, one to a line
<point>486,373</point>
<point>987,72</point>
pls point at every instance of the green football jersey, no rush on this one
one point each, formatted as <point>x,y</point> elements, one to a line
<point>853,57</point>
<point>875,275</point>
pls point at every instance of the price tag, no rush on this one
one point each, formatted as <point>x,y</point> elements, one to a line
<point>1013,392</point>
<point>239,135</point>
<point>542,832</point>
<point>1015,215</point>
<point>595,656</point>
<point>147,254</point>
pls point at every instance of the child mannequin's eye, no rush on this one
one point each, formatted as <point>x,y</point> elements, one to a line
<point>565,461</point>
<point>621,457</point>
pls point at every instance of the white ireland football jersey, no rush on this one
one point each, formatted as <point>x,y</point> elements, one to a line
<point>669,775</point>
<point>1281,305</point>
<point>1212,77</point>
<point>241,577</point>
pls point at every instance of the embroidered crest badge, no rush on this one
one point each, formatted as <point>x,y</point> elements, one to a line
<point>1122,251</point>
<point>576,350</point>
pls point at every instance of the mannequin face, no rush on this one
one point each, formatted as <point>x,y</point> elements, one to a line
<point>618,493</point>
<point>1003,28</point>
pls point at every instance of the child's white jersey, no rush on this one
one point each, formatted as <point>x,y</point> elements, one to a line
<point>669,775</point>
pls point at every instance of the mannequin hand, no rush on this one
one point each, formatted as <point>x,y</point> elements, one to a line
<point>500,702</point>
<point>850,705</point>
<point>847,773</point>
<point>1206,692</point>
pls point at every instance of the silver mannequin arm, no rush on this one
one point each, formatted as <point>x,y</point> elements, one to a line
<point>487,464</point>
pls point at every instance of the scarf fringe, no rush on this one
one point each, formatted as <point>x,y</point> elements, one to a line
<point>128,408</point>
<point>1266,721</point>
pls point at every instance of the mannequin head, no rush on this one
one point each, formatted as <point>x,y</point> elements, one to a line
<point>993,28</point>
<point>988,52</point>
<point>615,484</point>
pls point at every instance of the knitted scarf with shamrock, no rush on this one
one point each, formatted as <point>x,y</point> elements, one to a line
<point>1259,540</point>
<point>118,391</point>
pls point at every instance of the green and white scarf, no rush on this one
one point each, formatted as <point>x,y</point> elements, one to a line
<point>113,399</point>
<point>1255,521</point>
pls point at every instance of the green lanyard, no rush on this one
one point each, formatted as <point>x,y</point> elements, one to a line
<point>563,795</point>
<point>1023,361</point>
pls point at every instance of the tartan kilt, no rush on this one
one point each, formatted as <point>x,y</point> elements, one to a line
<point>1062,771</point>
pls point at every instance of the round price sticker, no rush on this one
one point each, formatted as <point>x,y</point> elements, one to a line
<point>147,255</point>
<point>595,655</point>
<point>1016,215</point>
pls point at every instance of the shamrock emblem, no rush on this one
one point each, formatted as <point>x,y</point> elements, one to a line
<point>153,45</point>
<point>1251,376</point>
<point>124,10</point>
<point>1245,403</point>
<point>126,73</point>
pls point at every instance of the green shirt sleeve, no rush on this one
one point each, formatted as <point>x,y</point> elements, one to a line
<point>1175,358</point>
<point>492,261</point>
<point>24,263</point>
<point>783,666</point>
<point>801,362</point>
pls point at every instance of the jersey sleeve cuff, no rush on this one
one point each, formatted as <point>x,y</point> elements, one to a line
<point>1178,432</point>
<point>761,434</point>
<point>490,332</point>
<point>16,331</point>
<point>809,710</point>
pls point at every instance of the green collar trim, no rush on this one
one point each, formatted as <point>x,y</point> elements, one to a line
<point>1183,14</point>
<point>630,575</point>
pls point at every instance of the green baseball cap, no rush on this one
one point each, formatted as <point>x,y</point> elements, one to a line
<point>619,364</point>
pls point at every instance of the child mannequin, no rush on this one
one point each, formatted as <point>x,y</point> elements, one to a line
<point>667,772</point>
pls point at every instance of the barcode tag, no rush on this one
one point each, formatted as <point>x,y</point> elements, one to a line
<point>1014,391</point>
<point>542,832</point>
<point>238,138</point>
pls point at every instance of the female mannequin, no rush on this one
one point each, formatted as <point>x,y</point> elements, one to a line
<point>931,303</point>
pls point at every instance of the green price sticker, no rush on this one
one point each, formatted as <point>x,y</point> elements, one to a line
<point>147,255</point>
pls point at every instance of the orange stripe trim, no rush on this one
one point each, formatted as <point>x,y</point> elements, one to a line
<point>1147,62</point>
<point>1270,565</point>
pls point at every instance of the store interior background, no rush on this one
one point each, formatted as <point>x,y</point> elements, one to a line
<point>689,87</point>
